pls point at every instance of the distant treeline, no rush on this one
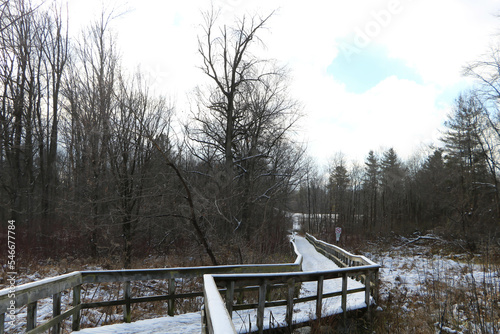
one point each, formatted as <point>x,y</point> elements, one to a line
<point>454,190</point>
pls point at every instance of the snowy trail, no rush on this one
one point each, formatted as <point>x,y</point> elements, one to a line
<point>191,322</point>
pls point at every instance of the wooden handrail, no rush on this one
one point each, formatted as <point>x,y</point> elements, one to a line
<point>218,319</point>
<point>268,280</point>
<point>347,259</point>
<point>353,266</point>
<point>29,294</point>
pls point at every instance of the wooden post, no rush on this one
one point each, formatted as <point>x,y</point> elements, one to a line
<point>127,312</point>
<point>203,320</point>
<point>76,303</point>
<point>367,290</point>
<point>261,306</point>
<point>171,292</point>
<point>289,304</point>
<point>344,294</point>
<point>56,310</point>
<point>229,298</point>
<point>31,316</point>
<point>319,300</point>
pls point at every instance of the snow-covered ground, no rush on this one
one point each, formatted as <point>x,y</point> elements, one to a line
<point>449,293</point>
<point>412,270</point>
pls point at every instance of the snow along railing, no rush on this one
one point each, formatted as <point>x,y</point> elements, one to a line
<point>29,294</point>
<point>217,316</point>
<point>343,258</point>
<point>340,256</point>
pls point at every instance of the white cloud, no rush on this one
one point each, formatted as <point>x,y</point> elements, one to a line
<point>434,38</point>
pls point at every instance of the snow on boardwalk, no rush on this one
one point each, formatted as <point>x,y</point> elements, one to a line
<point>191,322</point>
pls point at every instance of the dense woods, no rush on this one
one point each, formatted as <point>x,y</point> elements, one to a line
<point>91,162</point>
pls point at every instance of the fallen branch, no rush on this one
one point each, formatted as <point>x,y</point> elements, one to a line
<point>421,237</point>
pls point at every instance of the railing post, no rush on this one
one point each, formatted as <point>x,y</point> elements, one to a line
<point>171,301</point>
<point>56,310</point>
<point>76,303</point>
<point>229,298</point>
<point>261,306</point>
<point>367,290</point>
<point>289,303</point>
<point>31,316</point>
<point>203,320</point>
<point>127,312</point>
<point>319,300</point>
<point>2,323</point>
<point>344,294</point>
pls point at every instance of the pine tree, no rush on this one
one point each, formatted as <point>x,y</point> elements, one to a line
<point>465,157</point>
<point>370,186</point>
<point>392,187</point>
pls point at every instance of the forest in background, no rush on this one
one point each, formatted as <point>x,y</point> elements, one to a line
<point>92,164</point>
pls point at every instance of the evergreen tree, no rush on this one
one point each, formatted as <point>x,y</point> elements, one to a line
<point>465,158</point>
<point>339,187</point>
<point>392,187</point>
<point>432,189</point>
<point>370,186</point>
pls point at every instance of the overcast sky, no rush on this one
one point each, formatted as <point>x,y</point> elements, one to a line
<point>370,74</point>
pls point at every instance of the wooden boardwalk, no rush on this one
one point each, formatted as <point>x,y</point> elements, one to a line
<point>323,291</point>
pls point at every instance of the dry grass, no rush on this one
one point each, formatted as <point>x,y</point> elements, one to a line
<point>459,299</point>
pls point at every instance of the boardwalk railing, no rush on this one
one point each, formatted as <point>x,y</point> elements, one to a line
<point>217,315</point>
<point>29,294</point>
<point>217,310</point>
<point>340,256</point>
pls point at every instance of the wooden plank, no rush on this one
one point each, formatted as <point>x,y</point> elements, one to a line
<point>230,298</point>
<point>75,326</point>
<point>344,294</point>
<point>31,316</point>
<point>218,320</point>
<point>261,306</point>
<point>250,306</point>
<point>101,276</point>
<point>289,304</point>
<point>2,323</point>
<point>319,301</point>
<point>367,290</point>
<point>171,292</point>
<point>146,299</point>
<point>127,313</point>
<point>203,321</point>
<point>56,310</point>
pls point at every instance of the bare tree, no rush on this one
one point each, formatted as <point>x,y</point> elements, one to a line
<point>90,94</point>
<point>242,129</point>
<point>228,62</point>
<point>56,51</point>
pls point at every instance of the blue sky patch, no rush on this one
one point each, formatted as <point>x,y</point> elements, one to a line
<point>363,68</point>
